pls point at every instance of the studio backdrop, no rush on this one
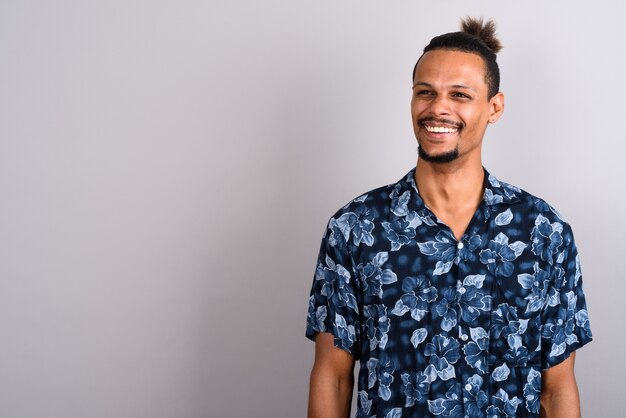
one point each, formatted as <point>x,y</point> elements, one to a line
<point>167,169</point>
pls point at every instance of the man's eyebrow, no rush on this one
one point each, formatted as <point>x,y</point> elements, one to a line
<point>455,86</point>
<point>462,86</point>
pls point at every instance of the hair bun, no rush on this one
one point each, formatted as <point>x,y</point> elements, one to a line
<point>486,31</point>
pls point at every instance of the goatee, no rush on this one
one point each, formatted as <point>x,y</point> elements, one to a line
<point>446,157</point>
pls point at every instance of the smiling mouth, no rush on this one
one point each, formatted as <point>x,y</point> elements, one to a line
<point>440,129</point>
<point>440,126</point>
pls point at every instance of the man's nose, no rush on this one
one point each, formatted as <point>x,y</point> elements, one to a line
<point>440,105</point>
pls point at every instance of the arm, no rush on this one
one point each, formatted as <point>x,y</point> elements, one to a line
<point>559,392</point>
<point>332,380</point>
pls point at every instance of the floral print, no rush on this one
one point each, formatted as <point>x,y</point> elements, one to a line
<point>373,277</point>
<point>450,406</point>
<point>546,238</point>
<point>476,351</point>
<point>502,406</point>
<point>532,391</point>
<point>499,255</point>
<point>377,325</point>
<point>418,294</point>
<point>380,373</point>
<point>415,387</point>
<point>444,327</point>
<point>443,353</point>
<point>464,301</point>
<point>474,398</point>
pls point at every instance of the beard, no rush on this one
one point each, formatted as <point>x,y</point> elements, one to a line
<point>446,157</point>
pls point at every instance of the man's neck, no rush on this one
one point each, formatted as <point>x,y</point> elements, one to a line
<point>450,188</point>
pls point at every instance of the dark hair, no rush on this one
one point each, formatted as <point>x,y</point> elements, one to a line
<point>476,37</point>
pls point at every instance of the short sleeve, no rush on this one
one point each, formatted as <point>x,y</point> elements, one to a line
<point>333,305</point>
<point>565,319</point>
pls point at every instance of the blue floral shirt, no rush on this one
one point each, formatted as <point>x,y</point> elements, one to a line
<point>444,327</point>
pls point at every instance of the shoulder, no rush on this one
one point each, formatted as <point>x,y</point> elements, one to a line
<point>531,209</point>
<point>355,223</point>
<point>526,201</point>
<point>371,204</point>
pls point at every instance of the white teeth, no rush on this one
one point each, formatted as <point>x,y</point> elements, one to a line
<point>440,129</point>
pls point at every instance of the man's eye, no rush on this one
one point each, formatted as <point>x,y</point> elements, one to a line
<point>423,93</point>
<point>461,95</point>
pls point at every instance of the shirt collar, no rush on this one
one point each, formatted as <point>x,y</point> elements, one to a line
<point>496,191</point>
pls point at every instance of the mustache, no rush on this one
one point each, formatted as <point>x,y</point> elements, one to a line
<point>456,124</point>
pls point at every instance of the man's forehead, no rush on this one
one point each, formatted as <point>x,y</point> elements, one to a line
<point>450,68</point>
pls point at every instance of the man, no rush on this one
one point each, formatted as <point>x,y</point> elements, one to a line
<point>459,294</point>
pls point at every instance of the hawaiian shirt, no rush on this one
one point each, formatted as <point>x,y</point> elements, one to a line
<point>447,327</point>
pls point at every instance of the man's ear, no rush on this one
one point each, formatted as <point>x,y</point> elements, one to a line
<point>496,106</point>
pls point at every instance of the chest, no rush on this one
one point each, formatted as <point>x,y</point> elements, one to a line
<point>423,261</point>
<point>457,220</point>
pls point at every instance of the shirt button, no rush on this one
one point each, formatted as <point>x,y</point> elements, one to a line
<point>464,337</point>
<point>459,245</point>
<point>468,387</point>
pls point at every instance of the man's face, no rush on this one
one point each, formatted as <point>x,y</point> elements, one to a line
<point>450,105</point>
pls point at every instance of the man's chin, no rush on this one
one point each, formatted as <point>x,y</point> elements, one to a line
<point>442,158</point>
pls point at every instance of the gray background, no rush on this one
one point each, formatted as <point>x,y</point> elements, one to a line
<point>167,169</point>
